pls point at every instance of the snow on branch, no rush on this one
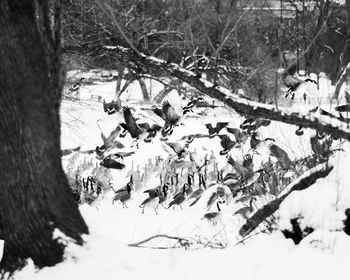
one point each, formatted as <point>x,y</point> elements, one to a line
<point>241,105</point>
<point>301,183</point>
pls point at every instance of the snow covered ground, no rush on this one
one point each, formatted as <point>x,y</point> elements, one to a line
<point>324,254</point>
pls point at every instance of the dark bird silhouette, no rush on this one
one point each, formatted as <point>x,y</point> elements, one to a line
<point>226,143</point>
<point>125,188</point>
<point>190,181</point>
<point>240,135</point>
<point>151,202</point>
<point>343,108</point>
<point>124,195</point>
<point>213,131</point>
<point>189,106</point>
<point>111,107</point>
<point>132,127</point>
<point>151,130</point>
<point>66,152</point>
<point>111,161</point>
<point>179,198</point>
<point>163,196</point>
<point>76,196</point>
<point>247,210</point>
<point>196,195</point>
<point>291,81</point>
<point>76,86</point>
<point>214,217</point>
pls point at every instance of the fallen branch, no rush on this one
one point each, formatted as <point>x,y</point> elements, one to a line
<point>179,239</point>
<point>301,183</point>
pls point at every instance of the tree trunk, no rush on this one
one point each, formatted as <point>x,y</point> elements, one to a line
<point>35,199</point>
<point>144,90</point>
<point>344,57</point>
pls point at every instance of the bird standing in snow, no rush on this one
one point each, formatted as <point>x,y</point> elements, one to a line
<point>124,194</point>
<point>247,210</point>
<point>151,202</point>
<point>214,217</point>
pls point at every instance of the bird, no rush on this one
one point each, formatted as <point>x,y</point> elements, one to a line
<point>247,210</point>
<point>179,198</point>
<point>66,152</point>
<point>90,181</point>
<point>240,135</point>
<point>291,81</point>
<point>154,191</point>
<point>123,196</point>
<point>190,180</point>
<point>151,202</point>
<point>76,85</point>
<point>252,124</point>
<point>163,196</point>
<point>214,131</point>
<point>151,130</point>
<point>132,127</point>
<point>180,150</point>
<point>196,195</point>
<point>271,149</point>
<point>214,217</point>
<point>111,107</point>
<point>76,195</point>
<point>226,143</point>
<point>110,141</point>
<point>125,189</point>
<point>111,161</point>
<point>322,148</point>
<point>189,106</point>
<point>172,119</point>
<point>243,172</point>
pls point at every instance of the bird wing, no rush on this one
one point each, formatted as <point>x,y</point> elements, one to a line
<point>175,146</point>
<point>226,142</point>
<point>120,195</point>
<point>291,81</point>
<point>211,215</point>
<point>169,112</point>
<point>220,125</point>
<point>131,124</point>
<point>212,199</point>
<point>343,108</point>
<point>209,127</point>
<point>147,200</point>
<point>145,126</point>
<point>281,155</point>
<point>114,134</point>
<point>158,112</point>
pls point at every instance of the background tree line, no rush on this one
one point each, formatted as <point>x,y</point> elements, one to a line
<point>244,41</point>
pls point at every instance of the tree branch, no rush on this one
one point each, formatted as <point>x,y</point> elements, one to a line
<point>242,106</point>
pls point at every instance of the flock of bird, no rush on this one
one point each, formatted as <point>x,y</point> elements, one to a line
<point>185,176</point>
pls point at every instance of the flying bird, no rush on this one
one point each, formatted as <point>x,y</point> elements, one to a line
<point>292,82</point>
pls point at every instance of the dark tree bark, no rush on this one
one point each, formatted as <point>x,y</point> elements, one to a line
<point>35,196</point>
